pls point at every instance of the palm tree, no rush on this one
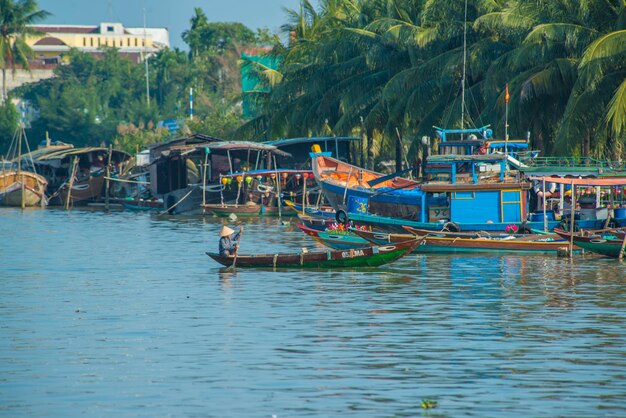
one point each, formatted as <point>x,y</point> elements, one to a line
<point>15,18</point>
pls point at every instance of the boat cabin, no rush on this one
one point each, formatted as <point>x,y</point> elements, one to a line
<point>473,189</point>
<point>342,148</point>
<point>476,141</point>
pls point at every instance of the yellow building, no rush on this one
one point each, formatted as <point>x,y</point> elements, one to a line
<point>133,43</point>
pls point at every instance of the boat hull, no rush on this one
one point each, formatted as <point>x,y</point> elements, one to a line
<point>247,210</point>
<point>353,258</point>
<point>82,192</point>
<point>23,187</point>
<point>337,240</point>
<point>599,244</point>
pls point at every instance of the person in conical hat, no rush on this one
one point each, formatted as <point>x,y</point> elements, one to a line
<point>229,240</point>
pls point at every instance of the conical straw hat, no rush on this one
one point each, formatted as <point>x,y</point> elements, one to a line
<point>226,231</point>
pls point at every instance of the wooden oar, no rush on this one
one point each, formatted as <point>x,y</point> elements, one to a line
<point>237,250</point>
<point>382,179</point>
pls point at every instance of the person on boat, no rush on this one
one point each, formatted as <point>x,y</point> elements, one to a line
<point>229,240</point>
<point>538,194</point>
<point>567,200</point>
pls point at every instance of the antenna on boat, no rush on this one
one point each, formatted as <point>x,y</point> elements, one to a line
<point>464,73</point>
<point>145,58</point>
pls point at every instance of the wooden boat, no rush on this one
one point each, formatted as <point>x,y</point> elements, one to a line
<point>77,175</point>
<point>356,257</point>
<point>607,243</point>
<point>250,209</point>
<point>21,187</point>
<point>339,240</point>
<point>351,189</point>
<point>534,244</point>
<point>141,205</point>
<point>83,190</point>
<point>315,211</point>
<point>381,238</point>
<point>312,222</point>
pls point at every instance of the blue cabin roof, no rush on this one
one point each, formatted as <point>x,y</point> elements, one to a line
<point>307,140</point>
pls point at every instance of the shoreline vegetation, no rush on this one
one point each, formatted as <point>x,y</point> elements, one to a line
<point>384,70</point>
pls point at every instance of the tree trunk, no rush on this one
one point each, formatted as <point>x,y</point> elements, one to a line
<point>399,151</point>
<point>370,149</point>
<point>4,86</point>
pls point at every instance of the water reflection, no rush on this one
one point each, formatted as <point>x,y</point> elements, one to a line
<point>108,313</point>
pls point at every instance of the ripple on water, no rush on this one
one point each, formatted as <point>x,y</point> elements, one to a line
<point>122,314</point>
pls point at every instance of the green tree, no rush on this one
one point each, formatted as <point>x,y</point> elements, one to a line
<point>8,124</point>
<point>15,16</point>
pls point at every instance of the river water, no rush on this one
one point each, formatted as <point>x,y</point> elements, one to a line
<point>123,315</point>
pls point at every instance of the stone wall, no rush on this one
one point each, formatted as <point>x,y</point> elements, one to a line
<point>21,77</point>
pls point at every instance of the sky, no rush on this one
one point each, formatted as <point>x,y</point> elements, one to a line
<point>171,14</point>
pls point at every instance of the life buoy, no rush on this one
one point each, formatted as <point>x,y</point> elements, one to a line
<point>264,189</point>
<point>342,216</point>
<point>451,227</point>
<point>482,150</point>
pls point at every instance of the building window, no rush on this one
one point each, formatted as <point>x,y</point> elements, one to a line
<point>110,29</point>
<point>136,42</point>
<point>91,41</point>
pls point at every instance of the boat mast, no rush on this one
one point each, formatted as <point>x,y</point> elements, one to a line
<point>464,73</point>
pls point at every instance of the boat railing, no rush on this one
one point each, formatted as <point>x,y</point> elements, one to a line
<point>573,162</point>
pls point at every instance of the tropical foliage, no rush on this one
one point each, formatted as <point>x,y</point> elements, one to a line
<point>387,70</point>
<point>15,16</point>
<point>396,67</point>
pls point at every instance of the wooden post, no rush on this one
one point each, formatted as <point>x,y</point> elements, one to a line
<point>108,184</point>
<point>206,161</point>
<point>71,183</point>
<point>277,188</point>
<point>545,218</point>
<point>621,251</point>
<point>23,190</point>
<point>571,226</point>
<point>304,195</point>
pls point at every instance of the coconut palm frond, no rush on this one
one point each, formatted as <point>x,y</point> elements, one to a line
<point>616,115</point>
<point>611,44</point>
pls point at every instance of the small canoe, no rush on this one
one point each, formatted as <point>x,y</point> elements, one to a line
<point>140,205</point>
<point>356,257</point>
<point>533,244</point>
<point>245,210</point>
<point>607,243</point>
<point>381,238</point>
<point>319,212</point>
<point>313,222</point>
<point>338,240</point>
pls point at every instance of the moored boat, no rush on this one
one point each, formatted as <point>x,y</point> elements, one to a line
<point>357,257</point>
<point>534,244</point>
<point>339,240</point>
<point>249,209</point>
<point>607,243</point>
<point>22,188</point>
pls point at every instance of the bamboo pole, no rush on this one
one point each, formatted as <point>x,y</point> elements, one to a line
<point>571,226</point>
<point>19,166</point>
<point>108,182</point>
<point>206,161</point>
<point>304,195</point>
<point>280,214</point>
<point>545,217</point>
<point>71,184</point>
<point>23,202</point>
<point>621,251</point>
